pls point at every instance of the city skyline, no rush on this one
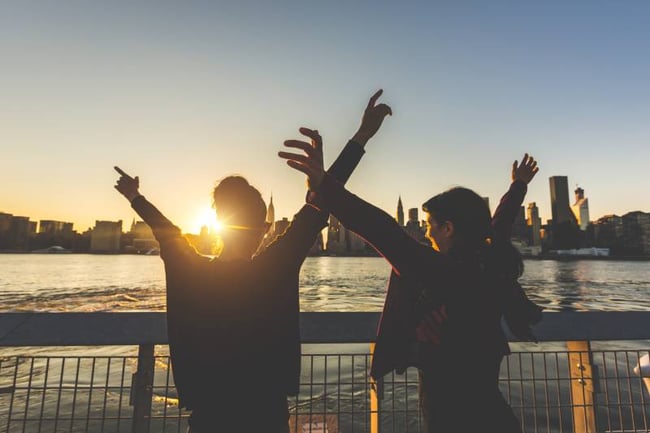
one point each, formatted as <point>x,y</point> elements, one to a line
<point>183,95</point>
<point>210,216</point>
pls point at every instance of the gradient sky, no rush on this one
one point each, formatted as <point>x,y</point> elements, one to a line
<point>184,93</point>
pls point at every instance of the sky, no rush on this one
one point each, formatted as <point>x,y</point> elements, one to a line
<point>185,93</point>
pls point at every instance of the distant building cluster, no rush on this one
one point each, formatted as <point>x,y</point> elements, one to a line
<point>569,232</point>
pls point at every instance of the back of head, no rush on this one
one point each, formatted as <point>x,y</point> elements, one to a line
<point>238,204</point>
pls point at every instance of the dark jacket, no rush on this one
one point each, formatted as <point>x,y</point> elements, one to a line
<point>396,348</point>
<point>233,327</point>
<point>418,269</point>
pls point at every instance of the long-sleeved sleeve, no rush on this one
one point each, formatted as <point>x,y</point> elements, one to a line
<point>346,162</point>
<point>294,244</point>
<point>404,253</point>
<point>172,242</point>
<point>508,209</point>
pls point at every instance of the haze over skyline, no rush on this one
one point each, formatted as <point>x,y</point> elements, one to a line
<point>185,94</point>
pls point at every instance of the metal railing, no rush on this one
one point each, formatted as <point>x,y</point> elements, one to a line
<point>110,372</point>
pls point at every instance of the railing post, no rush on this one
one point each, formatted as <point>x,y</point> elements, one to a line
<point>142,389</point>
<point>582,386</point>
<point>376,394</point>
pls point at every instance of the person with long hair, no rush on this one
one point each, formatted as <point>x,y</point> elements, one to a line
<point>446,300</point>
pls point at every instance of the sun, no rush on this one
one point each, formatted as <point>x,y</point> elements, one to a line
<point>207,217</point>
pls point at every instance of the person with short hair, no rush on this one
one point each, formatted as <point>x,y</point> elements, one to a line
<point>233,320</point>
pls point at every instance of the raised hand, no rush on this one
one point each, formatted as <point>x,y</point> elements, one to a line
<point>312,162</point>
<point>128,186</point>
<point>372,119</point>
<point>525,171</point>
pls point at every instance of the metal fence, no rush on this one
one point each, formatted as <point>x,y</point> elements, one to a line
<point>585,385</point>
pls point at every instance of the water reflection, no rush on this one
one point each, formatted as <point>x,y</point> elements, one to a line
<point>83,282</point>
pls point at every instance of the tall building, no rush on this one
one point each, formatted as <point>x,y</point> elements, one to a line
<point>400,212</point>
<point>270,216</point>
<point>581,209</point>
<point>105,236</point>
<point>560,209</point>
<point>535,223</point>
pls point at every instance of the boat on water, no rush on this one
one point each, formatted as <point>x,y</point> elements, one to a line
<point>54,249</point>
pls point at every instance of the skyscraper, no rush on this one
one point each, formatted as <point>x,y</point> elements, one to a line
<point>270,216</point>
<point>560,209</point>
<point>535,223</point>
<point>581,209</point>
<point>400,212</point>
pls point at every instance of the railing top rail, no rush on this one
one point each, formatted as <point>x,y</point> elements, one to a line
<point>135,328</point>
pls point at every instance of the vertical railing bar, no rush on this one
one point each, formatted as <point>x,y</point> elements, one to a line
<point>311,391</point>
<point>108,373</point>
<point>90,391</point>
<point>559,393</point>
<point>143,389</point>
<point>13,394</point>
<point>392,403</point>
<point>325,390</point>
<point>605,379</point>
<point>521,388</point>
<point>644,403</point>
<point>352,394</point>
<point>547,399</point>
<point>74,395</point>
<point>340,386</point>
<point>119,400</point>
<point>29,388</point>
<point>534,376</point>
<point>165,398</point>
<point>45,377</point>
<point>618,391</point>
<point>366,393</point>
<point>629,388</point>
<point>642,394</point>
<point>58,398</point>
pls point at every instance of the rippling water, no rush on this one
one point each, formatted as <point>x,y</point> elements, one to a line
<point>84,282</point>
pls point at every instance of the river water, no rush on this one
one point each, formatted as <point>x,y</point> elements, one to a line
<point>85,282</point>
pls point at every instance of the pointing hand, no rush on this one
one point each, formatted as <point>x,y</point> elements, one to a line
<point>127,185</point>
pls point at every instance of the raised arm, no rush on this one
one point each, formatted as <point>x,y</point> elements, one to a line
<point>403,252</point>
<point>167,234</point>
<point>300,235</point>
<point>506,212</point>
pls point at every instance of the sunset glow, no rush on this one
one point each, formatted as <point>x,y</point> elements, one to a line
<point>206,217</point>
